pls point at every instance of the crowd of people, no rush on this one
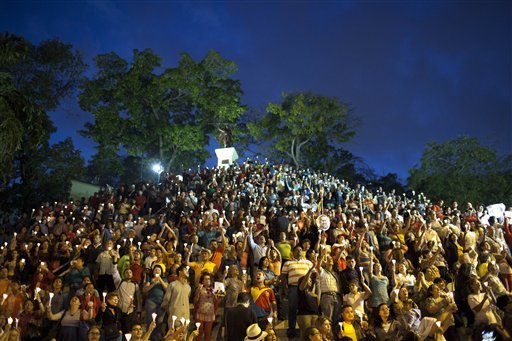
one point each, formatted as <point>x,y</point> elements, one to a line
<point>240,249</point>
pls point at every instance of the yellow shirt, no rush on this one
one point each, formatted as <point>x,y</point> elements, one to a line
<point>349,330</point>
<point>200,267</point>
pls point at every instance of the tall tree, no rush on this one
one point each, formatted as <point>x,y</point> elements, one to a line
<point>463,170</point>
<point>164,116</point>
<point>51,170</point>
<point>303,121</point>
<point>33,81</point>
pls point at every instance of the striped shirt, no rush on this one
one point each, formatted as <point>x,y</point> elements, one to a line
<point>295,269</point>
<point>328,281</point>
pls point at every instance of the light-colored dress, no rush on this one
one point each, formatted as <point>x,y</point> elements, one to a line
<point>205,306</point>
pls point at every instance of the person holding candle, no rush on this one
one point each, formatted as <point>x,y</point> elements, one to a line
<point>205,303</point>
<point>110,318</point>
<point>130,300</point>
<point>379,286</point>
<point>154,291</point>
<point>30,322</point>
<point>90,300</point>
<point>356,298</point>
<point>177,295</point>
<point>349,326</point>
<point>203,265</point>
<point>107,261</point>
<point>137,332</point>
<point>330,286</point>
<point>349,274</point>
<point>264,299</point>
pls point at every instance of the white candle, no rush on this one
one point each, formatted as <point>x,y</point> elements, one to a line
<point>244,271</point>
<point>198,324</point>
<point>118,247</point>
<point>187,322</point>
<point>182,320</point>
<point>131,241</point>
<point>51,296</point>
<point>270,319</point>
<point>10,320</point>
<point>16,322</point>
<point>128,336</point>
<point>104,296</point>
<point>139,244</point>
<point>153,316</point>
<point>174,317</point>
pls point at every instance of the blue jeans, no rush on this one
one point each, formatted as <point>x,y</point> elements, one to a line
<point>293,306</point>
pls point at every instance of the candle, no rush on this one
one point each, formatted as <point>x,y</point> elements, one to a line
<point>128,336</point>
<point>185,245</point>
<point>198,324</point>
<point>37,290</point>
<point>270,319</point>
<point>131,241</point>
<point>139,244</point>
<point>153,316</point>
<point>16,322</point>
<point>182,320</point>
<point>10,320</point>
<point>187,322</point>
<point>244,271</point>
<point>104,295</point>
<point>118,247</point>
<point>174,317</point>
<point>4,296</point>
<point>51,296</point>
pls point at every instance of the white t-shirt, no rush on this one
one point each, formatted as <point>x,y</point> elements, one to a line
<point>356,301</point>
<point>485,315</point>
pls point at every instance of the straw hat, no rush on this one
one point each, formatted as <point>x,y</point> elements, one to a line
<point>254,333</point>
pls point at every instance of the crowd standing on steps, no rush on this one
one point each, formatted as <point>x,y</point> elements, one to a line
<point>238,250</point>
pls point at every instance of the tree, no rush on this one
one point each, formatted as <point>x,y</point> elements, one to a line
<point>33,81</point>
<point>51,170</point>
<point>463,170</point>
<point>164,116</point>
<point>303,122</point>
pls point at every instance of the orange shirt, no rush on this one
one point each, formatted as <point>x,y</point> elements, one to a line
<point>263,297</point>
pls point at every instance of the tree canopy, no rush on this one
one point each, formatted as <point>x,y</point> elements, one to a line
<point>463,170</point>
<point>304,128</point>
<point>33,81</point>
<point>165,116</point>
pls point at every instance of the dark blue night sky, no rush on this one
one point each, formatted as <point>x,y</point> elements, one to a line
<point>413,72</point>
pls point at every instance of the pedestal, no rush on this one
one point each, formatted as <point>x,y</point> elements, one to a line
<point>226,156</point>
